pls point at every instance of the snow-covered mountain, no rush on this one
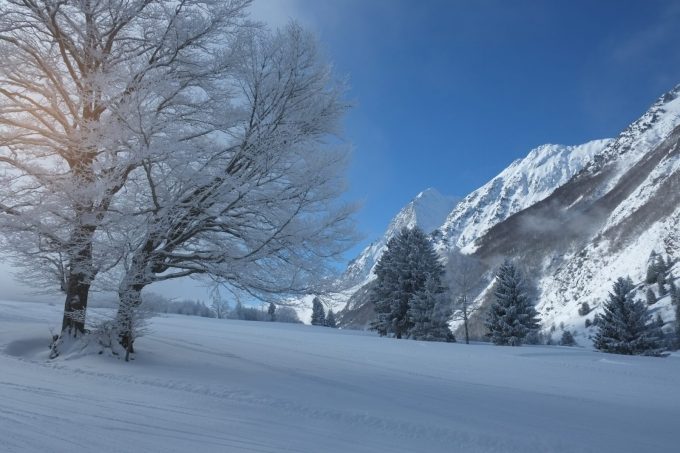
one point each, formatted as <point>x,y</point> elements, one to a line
<point>603,223</point>
<point>524,183</point>
<point>427,210</point>
<point>458,224</point>
<point>577,217</point>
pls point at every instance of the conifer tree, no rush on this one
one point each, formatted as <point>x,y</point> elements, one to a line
<point>330,319</point>
<point>401,273</point>
<point>651,297</point>
<point>661,282</point>
<point>567,339</point>
<point>512,316</point>
<point>652,272</point>
<point>625,327</point>
<point>673,290</point>
<point>430,313</point>
<point>318,313</point>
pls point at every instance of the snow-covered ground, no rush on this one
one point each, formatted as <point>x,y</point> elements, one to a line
<point>203,385</point>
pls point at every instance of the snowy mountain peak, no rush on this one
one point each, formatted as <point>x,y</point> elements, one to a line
<point>525,182</point>
<point>427,210</point>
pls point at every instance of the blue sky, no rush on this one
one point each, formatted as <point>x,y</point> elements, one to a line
<point>448,93</point>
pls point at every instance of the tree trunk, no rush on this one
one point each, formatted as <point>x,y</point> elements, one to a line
<point>465,323</point>
<point>80,276</point>
<point>130,298</point>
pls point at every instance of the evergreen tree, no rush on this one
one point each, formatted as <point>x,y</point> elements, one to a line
<point>330,319</point>
<point>652,272</point>
<point>651,297</point>
<point>625,326</point>
<point>401,273</point>
<point>512,316</point>
<point>567,339</point>
<point>673,290</point>
<point>318,313</point>
<point>272,311</point>
<point>429,313</point>
<point>659,321</point>
<point>661,282</point>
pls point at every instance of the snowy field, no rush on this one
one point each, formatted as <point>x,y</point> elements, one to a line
<point>203,385</point>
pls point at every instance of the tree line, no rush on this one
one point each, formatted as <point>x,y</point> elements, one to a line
<point>412,301</point>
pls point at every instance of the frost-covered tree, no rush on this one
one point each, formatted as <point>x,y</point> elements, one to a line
<point>318,313</point>
<point>402,271</point>
<point>464,274</point>
<point>625,326</point>
<point>512,316</point>
<point>429,312</point>
<point>650,296</point>
<point>271,311</point>
<point>219,307</point>
<point>258,209</point>
<point>330,319</point>
<point>90,91</point>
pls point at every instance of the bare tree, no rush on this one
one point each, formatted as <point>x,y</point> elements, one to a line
<point>257,210</point>
<point>464,274</point>
<point>92,91</point>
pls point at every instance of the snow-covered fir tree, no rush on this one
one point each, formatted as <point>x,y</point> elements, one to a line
<point>271,311</point>
<point>512,316</point>
<point>673,290</point>
<point>626,327</point>
<point>650,296</point>
<point>318,313</point>
<point>330,319</point>
<point>652,271</point>
<point>429,312</point>
<point>402,272</point>
<point>661,282</point>
<point>567,339</point>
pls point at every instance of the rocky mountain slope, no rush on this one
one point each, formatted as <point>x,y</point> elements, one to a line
<point>576,217</point>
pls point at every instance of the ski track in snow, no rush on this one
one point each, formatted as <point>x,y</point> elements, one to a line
<point>214,385</point>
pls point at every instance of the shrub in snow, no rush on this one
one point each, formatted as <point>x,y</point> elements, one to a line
<point>588,323</point>
<point>625,326</point>
<point>512,316</point>
<point>318,313</point>
<point>584,309</point>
